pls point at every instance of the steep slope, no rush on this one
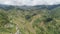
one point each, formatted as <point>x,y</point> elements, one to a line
<point>56,12</point>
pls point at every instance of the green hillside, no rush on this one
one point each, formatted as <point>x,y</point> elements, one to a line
<point>41,21</point>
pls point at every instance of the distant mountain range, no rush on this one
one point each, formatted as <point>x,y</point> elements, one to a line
<point>8,7</point>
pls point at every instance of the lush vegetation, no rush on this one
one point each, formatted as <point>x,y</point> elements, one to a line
<point>33,21</point>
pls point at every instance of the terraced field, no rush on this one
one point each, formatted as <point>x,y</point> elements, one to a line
<point>30,21</point>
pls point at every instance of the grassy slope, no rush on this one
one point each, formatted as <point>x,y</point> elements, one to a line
<point>35,21</point>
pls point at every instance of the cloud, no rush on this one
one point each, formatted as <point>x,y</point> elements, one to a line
<point>29,2</point>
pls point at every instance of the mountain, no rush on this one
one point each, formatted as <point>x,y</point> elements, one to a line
<point>49,7</point>
<point>41,19</point>
<point>8,7</point>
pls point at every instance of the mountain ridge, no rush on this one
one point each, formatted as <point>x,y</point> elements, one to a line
<point>8,7</point>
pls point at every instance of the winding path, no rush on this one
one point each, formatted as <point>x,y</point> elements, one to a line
<point>18,31</point>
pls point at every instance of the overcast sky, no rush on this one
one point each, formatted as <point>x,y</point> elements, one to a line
<point>29,2</point>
